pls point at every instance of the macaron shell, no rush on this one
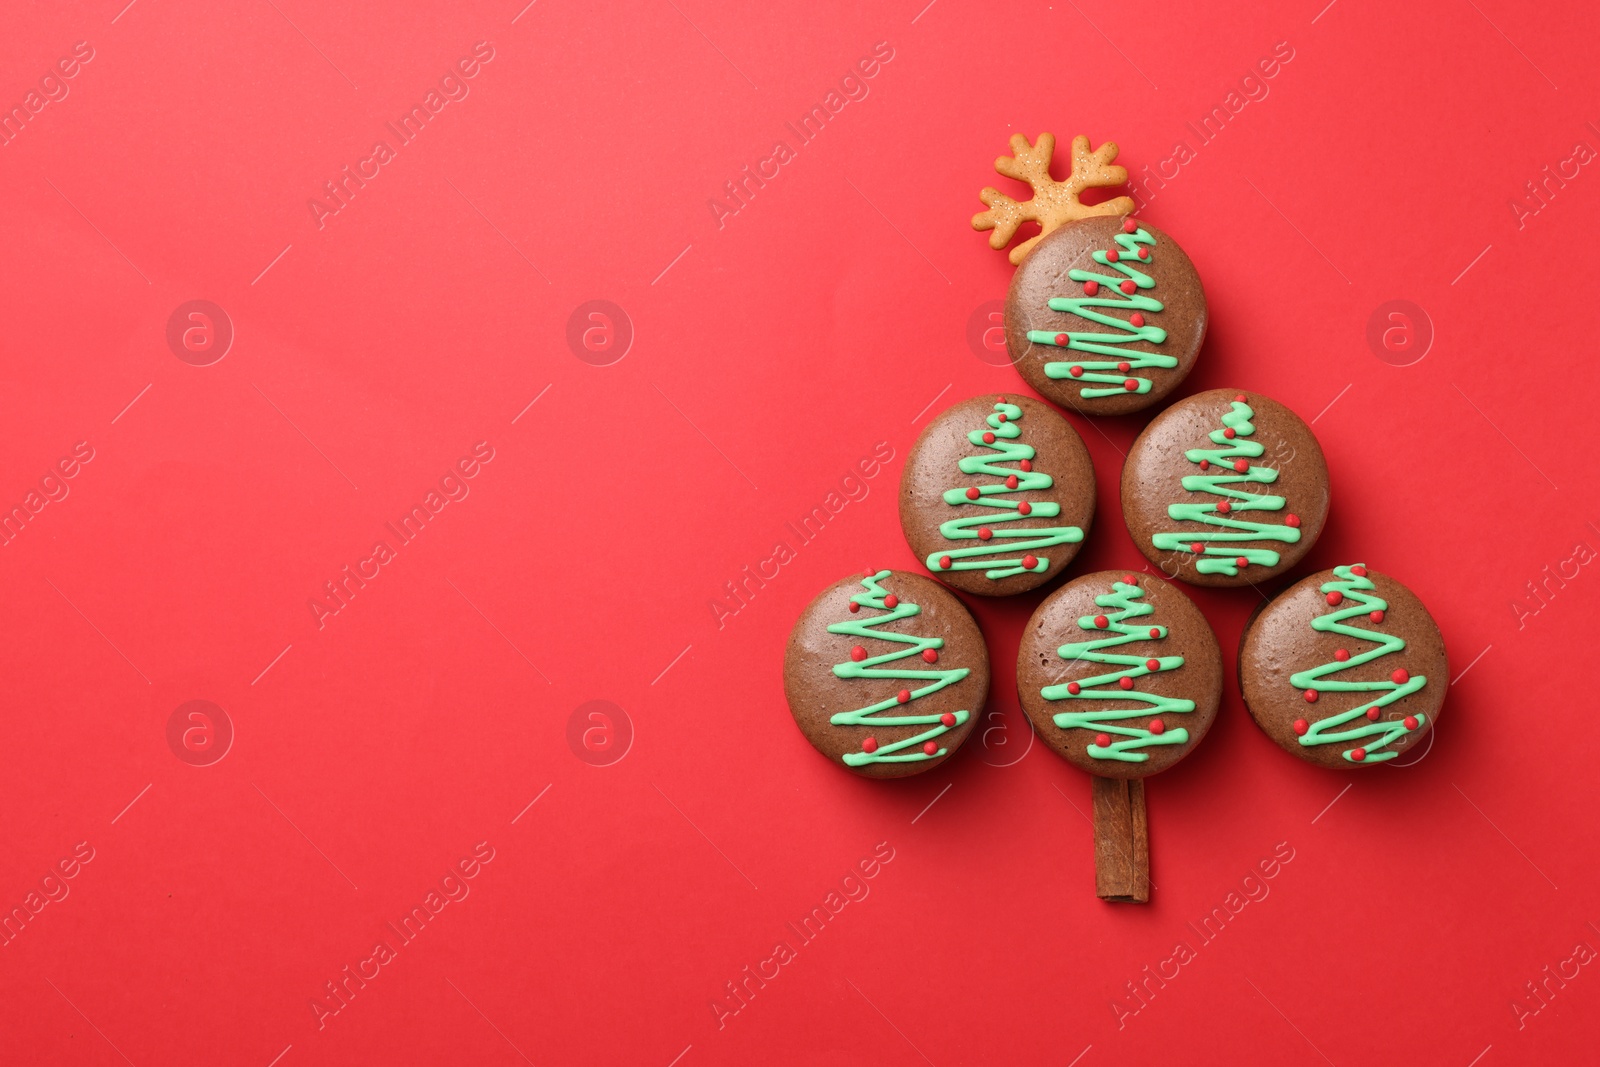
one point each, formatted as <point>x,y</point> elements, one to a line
<point>932,470</point>
<point>1056,622</point>
<point>815,693</point>
<point>1044,274</point>
<point>1280,643</point>
<point>1157,464</point>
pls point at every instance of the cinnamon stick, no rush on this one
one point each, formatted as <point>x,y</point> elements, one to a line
<point>1121,841</point>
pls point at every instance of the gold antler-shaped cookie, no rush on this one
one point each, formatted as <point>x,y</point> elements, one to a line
<point>1054,203</point>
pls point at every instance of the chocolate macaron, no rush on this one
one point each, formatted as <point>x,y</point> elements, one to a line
<point>1225,488</point>
<point>997,495</point>
<point>1344,669</point>
<point>886,673</point>
<point>1106,316</point>
<point>1120,674</point>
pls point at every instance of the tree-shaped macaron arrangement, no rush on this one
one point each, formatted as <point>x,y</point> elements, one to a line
<point>1118,672</point>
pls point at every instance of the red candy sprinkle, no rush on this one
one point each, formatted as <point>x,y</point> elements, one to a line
<point>930,655</point>
<point>891,601</point>
<point>1000,400</point>
<point>1241,562</point>
<point>1144,253</point>
<point>1129,224</point>
<point>1410,722</point>
<point>1103,740</point>
<point>1240,398</point>
<point>858,653</point>
<point>1101,622</point>
<point>1126,683</point>
<point>1024,508</point>
<point>1301,726</point>
<point>1011,481</point>
<point>1335,598</point>
<point>972,493</point>
<point>984,533</point>
<point>1291,521</point>
<point>1241,465</point>
<point>930,748</point>
<point>854,607</point>
<point>1197,548</point>
<point>1128,287</point>
<point>869,744</point>
<point>1205,464</point>
<point>948,719</point>
<point>1358,754</point>
<point>1127,579</point>
<point>904,696</point>
<point>1359,571</point>
<point>944,563</point>
<point>1155,631</point>
<point>1341,654</point>
<point>988,437</point>
<point>1062,339</point>
<point>1136,319</point>
<point>1112,256</point>
<point>1401,676</point>
<point>1124,367</point>
<point>1131,385</point>
<point>1372,713</point>
<point>1376,616</point>
<point>1091,287</point>
<point>1026,464</point>
<point>1229,432</point>
<point>1000,416</point>
<point>1152,665</point>
<point>1077,371</point>
<point>1223,507</point>
<point>1030,562</point>
<point>1157,726</point>
<point>1311,696</point>
<point>1074,688</point>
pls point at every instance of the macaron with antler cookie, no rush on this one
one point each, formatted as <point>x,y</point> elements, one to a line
<point>1105,313</point>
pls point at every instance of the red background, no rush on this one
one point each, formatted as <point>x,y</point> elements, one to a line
<point>770,353</point>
